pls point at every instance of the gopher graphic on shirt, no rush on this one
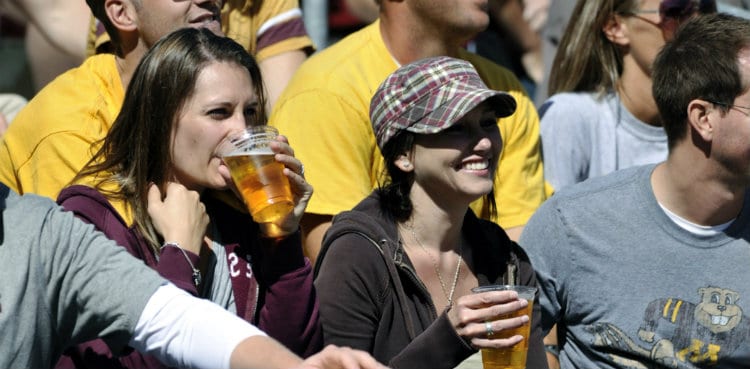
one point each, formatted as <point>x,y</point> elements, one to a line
<point>678,333</point>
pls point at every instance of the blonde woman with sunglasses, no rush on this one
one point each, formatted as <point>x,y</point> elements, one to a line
<point>601,116</point>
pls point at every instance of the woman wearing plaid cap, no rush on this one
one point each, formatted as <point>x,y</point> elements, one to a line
<point>395,274</point>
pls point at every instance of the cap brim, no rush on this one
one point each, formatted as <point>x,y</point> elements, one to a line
<point>448,114</point>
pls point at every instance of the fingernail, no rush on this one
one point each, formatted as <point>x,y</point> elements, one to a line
<point>525,318</point>
<point>524,303</point>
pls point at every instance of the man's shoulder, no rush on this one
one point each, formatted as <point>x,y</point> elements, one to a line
<point>75,96</point>
<point>24,210</point>
<point>77,88</point>
<point>350,70</point>
<point>345,57</point>
<point>97,69</point>
<point>604,190</point>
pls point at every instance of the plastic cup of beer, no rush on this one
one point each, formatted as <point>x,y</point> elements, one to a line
<point>513,357</point>
<point>258,176</point>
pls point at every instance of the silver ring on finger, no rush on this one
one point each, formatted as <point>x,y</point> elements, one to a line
<point>302,170</point>
<point>488,328</point>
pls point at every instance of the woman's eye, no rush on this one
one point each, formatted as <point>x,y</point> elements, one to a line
<point>218,113</point>
<point>488,123</point>
<point>250,112</point>
<point>454,128</point>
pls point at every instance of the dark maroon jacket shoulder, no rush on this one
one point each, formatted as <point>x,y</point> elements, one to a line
<point>372,299</point>
<point>271,280</point>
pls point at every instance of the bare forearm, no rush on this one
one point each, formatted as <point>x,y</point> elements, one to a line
<point>262,352</point>
<point>551,340</point>
<point>514,232</point>
<point>314,227</point>
<point>277,70</point>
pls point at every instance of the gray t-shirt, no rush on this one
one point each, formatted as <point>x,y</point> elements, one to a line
<point>584,136</point>
<point>62,283</point>
<point>218,281</point>
<point>633,288</point>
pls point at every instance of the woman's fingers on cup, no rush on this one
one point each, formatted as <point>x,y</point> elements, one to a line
<point>495,303</point>
<point>492,333</point>
<point>493,298</point>
<point>292,164</point>
<point>281,146</point>
<point>481,342</point>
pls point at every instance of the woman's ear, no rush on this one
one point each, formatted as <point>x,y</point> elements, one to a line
<point>404,163</point>
<point>616,30</point>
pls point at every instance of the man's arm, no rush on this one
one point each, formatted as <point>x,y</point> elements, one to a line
<point>277,70</point>
<point>64,23</point>
<point>365,10</point>
<point>314,227</point>
<point>263,352</point>
<point>514,232</point>
<point>552,348</point>
<point>3,124</point>
<point>334,141</point>
<point>174,327</point>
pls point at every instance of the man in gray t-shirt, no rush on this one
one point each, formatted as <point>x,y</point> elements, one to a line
<point>647,267</point>
<point>62,282</point>
<point>55,267</point>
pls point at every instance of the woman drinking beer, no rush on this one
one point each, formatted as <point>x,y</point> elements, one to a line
<point>395,275</point>
<point>161,190</point>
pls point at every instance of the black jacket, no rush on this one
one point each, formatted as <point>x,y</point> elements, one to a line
<point>371,298</point>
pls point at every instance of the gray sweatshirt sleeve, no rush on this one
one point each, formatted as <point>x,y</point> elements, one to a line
<point>63,283</point>
<point>94,287</point>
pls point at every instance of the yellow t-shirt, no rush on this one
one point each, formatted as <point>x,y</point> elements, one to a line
<point>324,112</point>
<point>263,28</point>
<point>51,138</point>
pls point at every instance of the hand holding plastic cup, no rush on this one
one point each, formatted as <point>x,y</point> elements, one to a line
<point>258,176</point>
<point>513,357</point>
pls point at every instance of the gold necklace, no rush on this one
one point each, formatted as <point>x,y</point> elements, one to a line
<point>448,295</point>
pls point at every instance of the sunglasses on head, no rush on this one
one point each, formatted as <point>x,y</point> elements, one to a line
<point>683,9</point>
<point>673,12</point>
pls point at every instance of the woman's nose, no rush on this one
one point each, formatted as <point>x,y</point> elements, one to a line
<point>483,144</point>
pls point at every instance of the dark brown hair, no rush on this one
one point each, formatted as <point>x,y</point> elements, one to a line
<point>701,62</point>
<point>136,151</point>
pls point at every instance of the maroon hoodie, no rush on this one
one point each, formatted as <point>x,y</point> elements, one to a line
<point>271,280</point>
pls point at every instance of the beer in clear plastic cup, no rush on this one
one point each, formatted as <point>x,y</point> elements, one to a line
<point>513,357</point>
<point>258,176</point>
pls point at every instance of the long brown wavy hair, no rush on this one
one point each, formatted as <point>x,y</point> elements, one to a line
<point>586,60</point>
<point>137,150</point>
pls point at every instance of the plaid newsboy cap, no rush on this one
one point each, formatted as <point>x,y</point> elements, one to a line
<point>430,95</point>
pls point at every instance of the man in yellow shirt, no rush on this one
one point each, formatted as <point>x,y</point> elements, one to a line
<point>51,139</point>
<point>270,30</point>
<point>325,111</point>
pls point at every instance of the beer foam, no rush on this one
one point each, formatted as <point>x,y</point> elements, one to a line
<point>254,151</point>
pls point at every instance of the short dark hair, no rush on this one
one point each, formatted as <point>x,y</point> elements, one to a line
<point>701,62</point>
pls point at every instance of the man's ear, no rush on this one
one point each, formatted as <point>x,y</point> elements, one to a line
<point>122,14</point>
<point>702,116</point>
<point>404,163</point>
<point>616,30</point>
